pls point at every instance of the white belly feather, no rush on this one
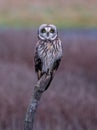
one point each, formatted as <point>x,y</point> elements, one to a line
<point>48,54</point>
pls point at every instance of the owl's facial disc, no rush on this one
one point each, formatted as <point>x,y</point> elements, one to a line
<point>47,32</point>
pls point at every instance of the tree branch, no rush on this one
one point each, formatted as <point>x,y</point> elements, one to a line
<point>40,87</point>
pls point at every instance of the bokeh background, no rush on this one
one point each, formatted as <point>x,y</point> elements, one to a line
<point>71,101</point>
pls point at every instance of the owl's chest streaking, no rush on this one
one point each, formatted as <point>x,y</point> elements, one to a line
<point>49,52</point>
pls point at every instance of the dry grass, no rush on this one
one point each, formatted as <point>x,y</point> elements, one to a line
<point>71,101</point>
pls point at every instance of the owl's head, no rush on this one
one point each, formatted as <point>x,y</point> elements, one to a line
<point>47,32</point>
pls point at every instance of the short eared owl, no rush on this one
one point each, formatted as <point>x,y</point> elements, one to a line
<point>48,50</point>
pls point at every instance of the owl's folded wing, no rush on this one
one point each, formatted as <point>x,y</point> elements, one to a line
<point>56,64</point>
<point>38,65</point>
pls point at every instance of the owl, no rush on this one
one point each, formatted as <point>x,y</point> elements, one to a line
<point>48,50</point>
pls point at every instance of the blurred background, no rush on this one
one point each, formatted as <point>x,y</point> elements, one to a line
<point>71,101</point>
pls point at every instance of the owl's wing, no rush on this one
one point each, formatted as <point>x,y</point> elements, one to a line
<point>56,64</point>
<point>38,65</point>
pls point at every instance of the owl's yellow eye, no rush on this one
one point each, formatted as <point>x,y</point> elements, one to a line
<point>52,31</point>
<point>43,31</point>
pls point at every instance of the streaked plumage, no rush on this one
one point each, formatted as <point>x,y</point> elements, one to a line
<point>48,50</point>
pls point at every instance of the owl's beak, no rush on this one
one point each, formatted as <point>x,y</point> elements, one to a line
<point>47,34</point>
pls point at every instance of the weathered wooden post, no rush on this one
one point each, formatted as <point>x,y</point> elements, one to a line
<point>39,88</point>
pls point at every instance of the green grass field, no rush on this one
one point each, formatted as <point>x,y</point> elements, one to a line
<point>62,13</point>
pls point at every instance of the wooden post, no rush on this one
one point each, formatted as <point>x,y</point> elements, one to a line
<point>39,88</point>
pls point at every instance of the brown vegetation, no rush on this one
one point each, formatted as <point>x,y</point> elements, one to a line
<point>70,102</point>
<point>69,13</point>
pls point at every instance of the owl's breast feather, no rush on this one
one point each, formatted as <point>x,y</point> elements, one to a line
<point>49,53</point>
